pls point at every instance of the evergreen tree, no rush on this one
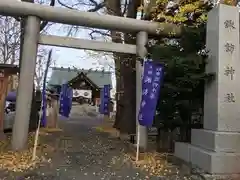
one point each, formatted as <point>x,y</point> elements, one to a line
<point>184,59</point>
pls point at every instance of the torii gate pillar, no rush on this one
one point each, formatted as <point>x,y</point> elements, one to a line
<point>25,87</point>
<point>142,39</point>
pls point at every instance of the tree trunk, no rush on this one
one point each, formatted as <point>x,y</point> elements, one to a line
<point>34,115</point>
<point>114,8</point>
<point>165,140</point>
<point>128,113</point>
<point>125,64</point>
<point>125,106</point>
<point>129,77</point>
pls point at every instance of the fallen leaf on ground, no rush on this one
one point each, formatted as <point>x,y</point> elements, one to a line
<point>106,127</point>
<point>154,164</point>
<point>19,161</point>
<point>51,130</point>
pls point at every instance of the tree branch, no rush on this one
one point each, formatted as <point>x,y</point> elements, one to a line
<point>44,23</point>
<point>99,32</point>
<point>97,7</point>
<point>64,5</point>
<point>125,8</point>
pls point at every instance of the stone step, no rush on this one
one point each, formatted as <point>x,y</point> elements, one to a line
<point>215,162</point>
<point>216,141</point>
<point>209,161</point>
<point>182,151</point>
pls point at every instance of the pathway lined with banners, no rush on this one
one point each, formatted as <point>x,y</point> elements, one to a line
<point>85,154</point>
<point>81,152</point>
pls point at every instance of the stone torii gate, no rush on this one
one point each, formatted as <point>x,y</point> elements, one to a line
<point>216,148</point>
<point>34,13</point>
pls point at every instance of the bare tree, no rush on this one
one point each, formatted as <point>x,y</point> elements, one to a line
<point>41,62</point>
<point>9,40</point>
<point>10,47</point>
<point>10,31</point>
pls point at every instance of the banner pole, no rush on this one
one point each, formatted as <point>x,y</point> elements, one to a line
<point>138,143</point>
<point>43,106</point>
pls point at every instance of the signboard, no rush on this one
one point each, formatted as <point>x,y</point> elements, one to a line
<point>82,93</point>
<point>151,83</point>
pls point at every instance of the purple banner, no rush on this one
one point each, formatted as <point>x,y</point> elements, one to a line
<point>65,100</point>
<point>70,96</point>
<point>151,83</point>
<point>102,102</point>
<point>44,107</point>
<point>105,99</point>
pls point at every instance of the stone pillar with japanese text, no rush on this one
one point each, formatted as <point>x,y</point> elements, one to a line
<point>216,148</point>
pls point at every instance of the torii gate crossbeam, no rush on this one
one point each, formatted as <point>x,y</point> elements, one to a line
<point>77,43</point>
<point>88,19</point>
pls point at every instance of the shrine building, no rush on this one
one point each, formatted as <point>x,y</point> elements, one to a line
<point>86,84</point>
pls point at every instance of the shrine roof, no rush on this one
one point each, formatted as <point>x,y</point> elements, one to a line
<point>63,75</point>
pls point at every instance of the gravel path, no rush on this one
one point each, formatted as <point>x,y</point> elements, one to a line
<point>82,153</point>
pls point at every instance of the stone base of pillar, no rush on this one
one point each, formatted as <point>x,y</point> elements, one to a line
<point>182,151</point>
<point>212,151</point>
<point>215,162</point>
<point>217,141</point>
